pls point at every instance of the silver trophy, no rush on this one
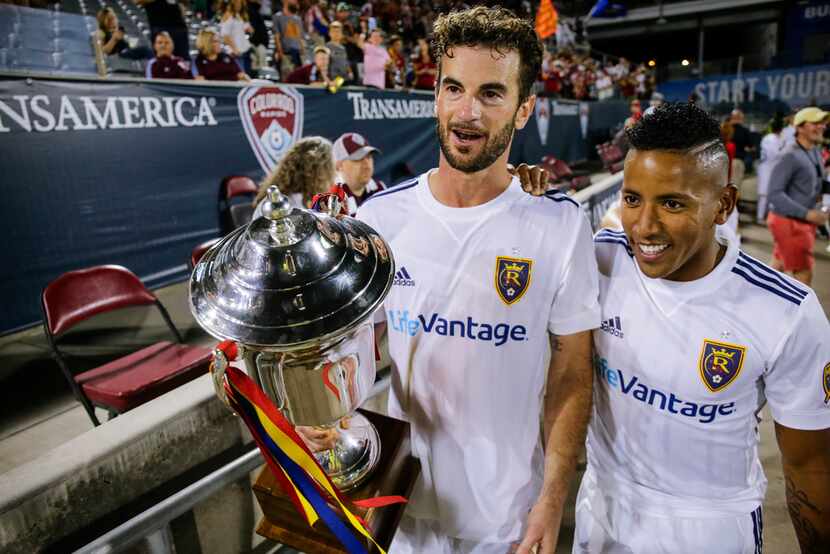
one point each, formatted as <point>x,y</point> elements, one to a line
<point>296,290</point>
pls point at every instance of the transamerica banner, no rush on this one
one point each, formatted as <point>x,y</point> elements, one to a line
<point>128,172</point>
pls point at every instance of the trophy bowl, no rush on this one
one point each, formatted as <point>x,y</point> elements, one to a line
<point>296,290</point>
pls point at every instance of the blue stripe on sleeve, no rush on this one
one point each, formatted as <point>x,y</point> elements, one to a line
<point>774,290</point>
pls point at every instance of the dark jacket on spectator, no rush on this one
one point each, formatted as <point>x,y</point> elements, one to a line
<point>742,139</point>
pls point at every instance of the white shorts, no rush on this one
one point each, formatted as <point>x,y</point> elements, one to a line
<point>422,536</point>
<point>607,526</point>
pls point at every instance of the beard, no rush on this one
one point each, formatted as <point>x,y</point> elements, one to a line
<point>494,146</point>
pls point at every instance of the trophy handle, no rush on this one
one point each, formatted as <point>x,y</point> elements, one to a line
<point>272,365</point>
<point>218,368</point>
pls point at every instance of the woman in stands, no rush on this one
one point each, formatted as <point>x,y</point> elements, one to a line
<point>234,29</point>
<point>305,170</point>
<point>424,67</point>
<point>113,41</point>
<point>212,64</point>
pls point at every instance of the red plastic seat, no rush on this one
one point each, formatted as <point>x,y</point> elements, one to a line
<point>562,177</point>
<point>239,185</point>
<point>199,251</point>
<point>122,384</point>
<point>233,214</point>
<point>612,156</point>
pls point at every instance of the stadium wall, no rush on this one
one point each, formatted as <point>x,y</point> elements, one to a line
<point>127,172</point>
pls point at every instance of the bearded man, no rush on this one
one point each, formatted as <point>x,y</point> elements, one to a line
<point>490,318</point>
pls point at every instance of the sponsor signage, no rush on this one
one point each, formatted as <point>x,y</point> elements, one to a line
<point>766,90</point>
<point>128,172</point>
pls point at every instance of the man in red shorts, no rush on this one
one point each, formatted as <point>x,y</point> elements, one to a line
<point>794,190</point>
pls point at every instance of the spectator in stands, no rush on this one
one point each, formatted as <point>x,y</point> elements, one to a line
<point>166,65</point>
<point>234,30</point>
<point>376,60</point>
<point>353,51</point>
<point>735,173</point>
<point>259,37</point>
<point>355,164</point>
<point>727,135</point>
<point>636,114</point>
<point>604,85</point>
<point>744,147</point>
<point>317,73</point>
<point>771,146</point>
<point>316,20</point>
<point>397,74</point>
<point>794,186</point>
<point>788,133</point>
<point>166,15</point>
<point>212,64</point>
<point>306,169</point>
<point>656,100</point>
<point>344,14</point>
<point>339,62</point>
<point>113,40</point>
<point>289,44</point>
<point>425,69</point>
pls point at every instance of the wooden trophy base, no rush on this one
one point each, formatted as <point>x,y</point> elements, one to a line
<point>395,474</point>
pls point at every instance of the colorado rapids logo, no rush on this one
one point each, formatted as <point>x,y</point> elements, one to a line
<point>512,278</point>
<point>720,363</point>
<point>272,117</point>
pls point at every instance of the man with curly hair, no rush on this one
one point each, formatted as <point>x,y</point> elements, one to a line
<point>696,337</point>
<point>490,316</point>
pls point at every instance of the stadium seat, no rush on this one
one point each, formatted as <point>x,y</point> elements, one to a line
<point>200,250</point>
<point>236,195</point>
<point>562,177</point>
<point>129,381</point>
<point>612,156</point>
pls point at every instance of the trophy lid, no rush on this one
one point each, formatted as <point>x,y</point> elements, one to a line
<point>291,278</point>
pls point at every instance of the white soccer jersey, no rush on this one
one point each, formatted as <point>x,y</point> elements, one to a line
<point>683,368</point>
<point>477,292</point>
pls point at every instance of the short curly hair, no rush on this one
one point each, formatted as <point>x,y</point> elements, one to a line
<point>680,127</point>
<point>307,168</point>
<point>676,126</point>
<point>496,28</point>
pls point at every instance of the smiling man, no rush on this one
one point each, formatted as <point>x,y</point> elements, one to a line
<point>696,337</point>
<point>488,279</point>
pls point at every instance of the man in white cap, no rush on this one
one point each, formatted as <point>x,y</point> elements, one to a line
<point>354,160</point>
<point>794,189</point>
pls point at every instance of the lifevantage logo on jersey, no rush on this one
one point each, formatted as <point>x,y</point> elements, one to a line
<point>273,120</point>
<point>512,278</point>
<point>402,321</point>
<point>663,401</point>
<point>720,363</point>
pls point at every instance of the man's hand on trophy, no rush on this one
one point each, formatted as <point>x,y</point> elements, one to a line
<point>318,439</point>
<point>534,178</point>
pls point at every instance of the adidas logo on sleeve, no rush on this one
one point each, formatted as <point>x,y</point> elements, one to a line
<point>402,278</point>
<point>613,326</point>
